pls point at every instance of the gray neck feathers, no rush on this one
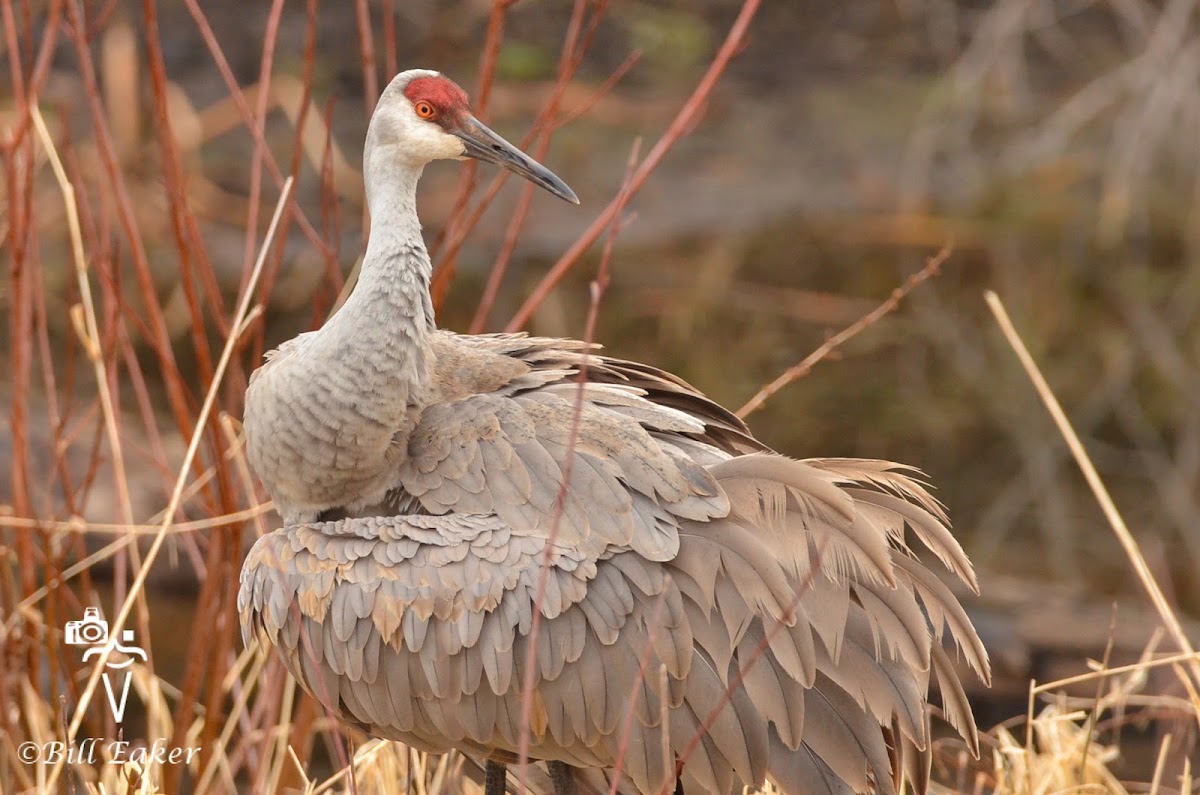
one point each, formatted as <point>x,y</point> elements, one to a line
<point>383,329</point>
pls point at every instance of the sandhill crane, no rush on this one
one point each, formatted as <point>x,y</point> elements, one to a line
<point>419,474</point>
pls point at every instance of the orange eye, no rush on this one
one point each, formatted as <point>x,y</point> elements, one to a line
<point>425,110</point>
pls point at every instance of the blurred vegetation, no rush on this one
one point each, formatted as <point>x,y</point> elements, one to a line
<point>1054,142</point>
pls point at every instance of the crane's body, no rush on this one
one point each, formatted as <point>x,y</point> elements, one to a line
<point>420,476</point>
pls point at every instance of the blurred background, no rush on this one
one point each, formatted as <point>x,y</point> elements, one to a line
<point>1053,146</point>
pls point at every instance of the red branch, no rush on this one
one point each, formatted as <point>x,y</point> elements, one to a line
<point>679,127</point>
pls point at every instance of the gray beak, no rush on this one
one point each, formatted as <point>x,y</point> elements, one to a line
<point>483,144</point>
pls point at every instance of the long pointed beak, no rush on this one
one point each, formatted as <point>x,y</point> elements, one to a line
<point>484,144</point>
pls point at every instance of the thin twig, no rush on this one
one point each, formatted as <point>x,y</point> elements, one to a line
<point>239,706</point>
<point>932,268</point>
<point>239,99</point>
<point>626,732</point>
<point>118,528</point>
<point>784,621</point>
<point>493,37</point>
<point>90,336</point>
<point>1103,498</point>
<point>549,114</point>
<point>597,294</point>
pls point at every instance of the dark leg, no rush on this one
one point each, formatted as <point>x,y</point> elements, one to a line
<point>495,778</point>
<point>562,777</point>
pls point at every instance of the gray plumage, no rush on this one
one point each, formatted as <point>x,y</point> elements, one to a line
<point>418,473</point>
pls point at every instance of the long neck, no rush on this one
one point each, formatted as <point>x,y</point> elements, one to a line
<point>387,320</point>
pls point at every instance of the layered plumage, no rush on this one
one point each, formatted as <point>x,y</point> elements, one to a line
<point>709,605</point>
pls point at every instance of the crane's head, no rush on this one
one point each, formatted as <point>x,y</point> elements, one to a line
<point>423,116</point>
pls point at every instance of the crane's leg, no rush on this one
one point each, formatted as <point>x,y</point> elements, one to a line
<point>562,777</point>
<point>495,778</point>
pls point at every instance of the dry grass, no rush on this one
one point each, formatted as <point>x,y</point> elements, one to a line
<point>130,347</point>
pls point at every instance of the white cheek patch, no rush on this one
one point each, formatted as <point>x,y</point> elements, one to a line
<point>416,140</point>
<point>426,141</point>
